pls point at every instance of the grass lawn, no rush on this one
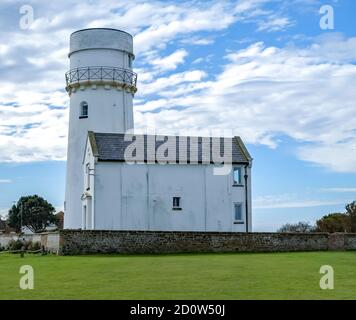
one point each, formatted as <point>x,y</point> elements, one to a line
<point>188,276</point>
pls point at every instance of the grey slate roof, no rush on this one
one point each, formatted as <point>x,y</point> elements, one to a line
<point>112,146</point>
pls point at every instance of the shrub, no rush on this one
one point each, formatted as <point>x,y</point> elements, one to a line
<point>334,222</point>
<point>14,245</point>
<point>301,227</point>
<point>27,245</point>
<point>35,246</point>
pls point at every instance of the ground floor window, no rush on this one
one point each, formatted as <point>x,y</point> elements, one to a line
<point>177,203</point>
<point>238,211</point>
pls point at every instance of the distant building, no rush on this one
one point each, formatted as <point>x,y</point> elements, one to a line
<point>60,219</point>
<point>4,228</point>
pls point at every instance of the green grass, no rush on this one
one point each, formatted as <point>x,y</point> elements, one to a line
<point>188,276</point>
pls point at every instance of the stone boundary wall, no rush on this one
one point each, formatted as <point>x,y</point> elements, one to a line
<point>49,240</point>
<point>342,241</point>
<point>74,242</point>
<point>6,238</point>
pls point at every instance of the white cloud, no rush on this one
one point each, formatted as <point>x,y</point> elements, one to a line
<point>34,61</point>
<point>339,190</point>
<point>173,81</point>
<point>291,201</point>
<point>253,11</point>
<point>198,41</point>
<point>206,59</point>
<point>4,212</point>
<point>32,127</point>
<point>187,19</point>
<point>274,24</point>
<point>169,62</point>
<point>296,204</point>
<point>337,156</point>
<point>5,181</point>
<point>264,92</point>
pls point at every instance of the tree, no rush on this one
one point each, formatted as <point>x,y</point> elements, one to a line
<point>35,212</point>
<point>351,212</point>
<point>301,227</point>
<point>334,222</point>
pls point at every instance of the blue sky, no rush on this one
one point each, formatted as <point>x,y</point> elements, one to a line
<point>261,69</point>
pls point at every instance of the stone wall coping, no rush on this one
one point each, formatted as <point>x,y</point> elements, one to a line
<point>200,232</point>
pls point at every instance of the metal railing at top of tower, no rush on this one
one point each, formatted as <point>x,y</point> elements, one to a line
<point>96,73</point>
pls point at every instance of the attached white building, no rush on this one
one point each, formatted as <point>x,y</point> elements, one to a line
<point>124,181</point>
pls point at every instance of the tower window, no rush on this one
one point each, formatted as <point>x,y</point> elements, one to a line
<point>83,110</point>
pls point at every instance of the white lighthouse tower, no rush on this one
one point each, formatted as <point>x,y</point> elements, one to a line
<point>101,86</point>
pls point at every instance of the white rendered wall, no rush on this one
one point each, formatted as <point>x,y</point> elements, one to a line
<point>139,197</point>
<point>109,107</point>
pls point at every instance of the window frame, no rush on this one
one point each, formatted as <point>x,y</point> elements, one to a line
<point>234,183</point>
<point>178,206</point>
<point>242,220</point>
<point>83,114</point>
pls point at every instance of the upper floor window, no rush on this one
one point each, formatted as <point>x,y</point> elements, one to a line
<point>84,110</point>
<point>237,175</point>
<point>130,62</point>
